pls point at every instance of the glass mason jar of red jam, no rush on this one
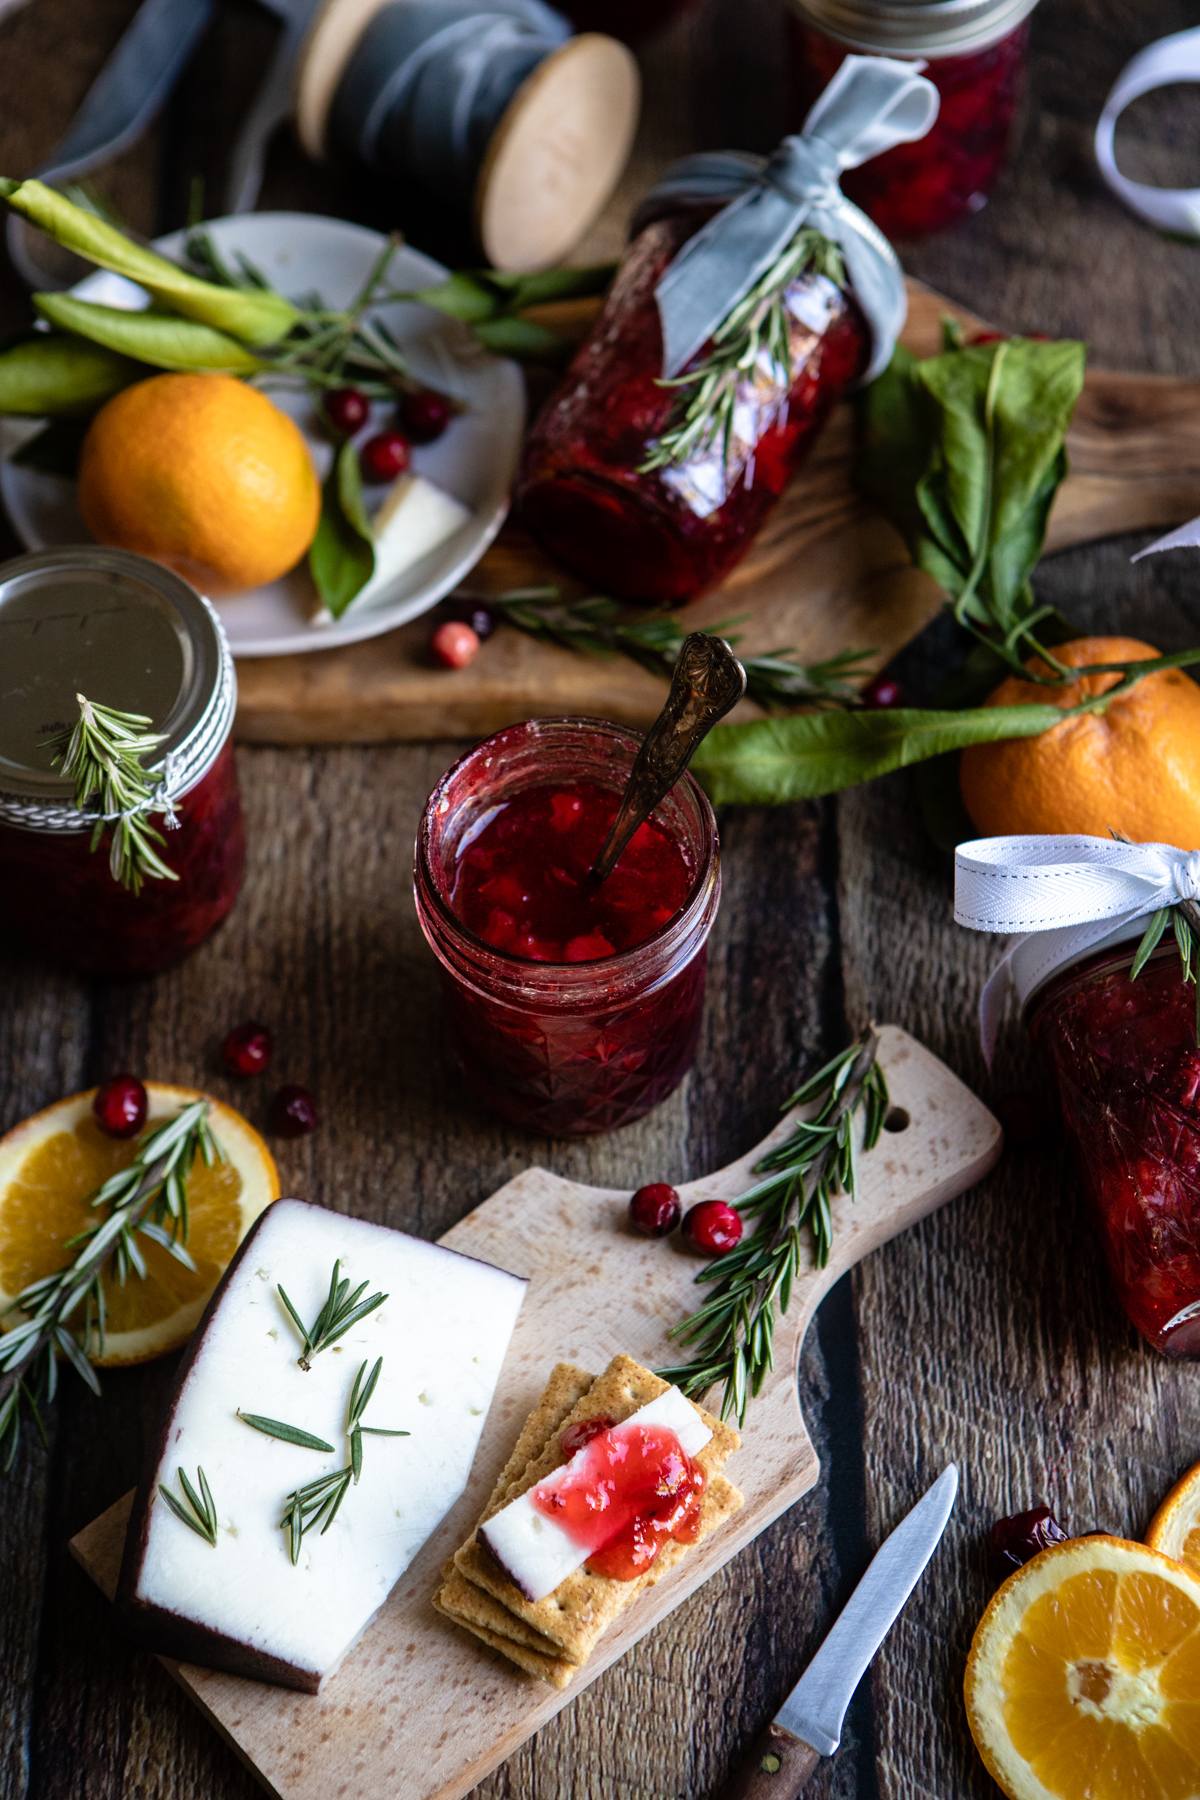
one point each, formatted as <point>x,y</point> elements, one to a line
<point>127,634</point>
<point>572,1006</point>
<point>1125,1057</point>
<point>974,53</point>
<point>665,535</point>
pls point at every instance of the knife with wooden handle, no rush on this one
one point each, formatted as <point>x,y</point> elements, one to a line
<point>808,1725</point>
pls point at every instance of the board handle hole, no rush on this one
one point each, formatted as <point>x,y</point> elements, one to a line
<point>897,1119</point>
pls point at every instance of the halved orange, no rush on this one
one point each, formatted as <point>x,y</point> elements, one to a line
<point>51,1163</point>
<point>1083,1681</point>
<point>1175,1527</point>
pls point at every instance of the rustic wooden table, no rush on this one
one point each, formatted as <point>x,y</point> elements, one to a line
<point>989,1335</point>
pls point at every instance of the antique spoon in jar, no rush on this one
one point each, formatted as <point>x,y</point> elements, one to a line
<point>707,681</point>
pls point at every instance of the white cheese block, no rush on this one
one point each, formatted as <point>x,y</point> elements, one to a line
<point>415,517</point>
<point>533,1549</point>
<point>442,1333</point>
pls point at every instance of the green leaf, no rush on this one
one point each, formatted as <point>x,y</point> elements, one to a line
<point>768,762</point>
<point>548,285</point>
<point>463,296</point>
<point>341,558</point>
<point>53,376</point>
<point>168,343</point>
<point>519,337</point>
<point>964,453</point>
<point>253,317</point>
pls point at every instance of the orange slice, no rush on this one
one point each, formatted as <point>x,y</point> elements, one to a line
<point>52,1162</point>
<point>1083,1681</point>
<point>1175,1527</point>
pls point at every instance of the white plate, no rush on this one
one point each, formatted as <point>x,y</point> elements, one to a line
<point>474,459</point>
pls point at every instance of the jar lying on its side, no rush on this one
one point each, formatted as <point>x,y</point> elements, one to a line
<point>572,1007</point>
<point>664,535</point>
<point>974,52</point>
<point>130,635</point>
<point>1127,1064</point>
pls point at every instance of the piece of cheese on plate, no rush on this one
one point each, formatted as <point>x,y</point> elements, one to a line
<point>416,516</point>
<point>442,1333</point>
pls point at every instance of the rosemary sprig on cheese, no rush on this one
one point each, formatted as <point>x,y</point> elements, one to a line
<point>200,1513</point>
<point>339,1314</point>
<point>318,1501</point>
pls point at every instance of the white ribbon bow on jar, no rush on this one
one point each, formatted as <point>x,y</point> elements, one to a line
<point>1067,895</point>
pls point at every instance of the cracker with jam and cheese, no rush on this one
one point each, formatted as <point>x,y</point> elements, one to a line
<point>547,1570</point>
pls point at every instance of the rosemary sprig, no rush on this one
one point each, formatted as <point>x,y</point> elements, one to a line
<point>340,1311</point>
<point>200,1513</point>
<point>1184,920</point>
<point>288,1434</point>
<point>141,1198</point>
<point>598,626</point>
<point>317,1502</point>
<point>753,342</point>
<point>103,754</point>
<point>733,1332</point>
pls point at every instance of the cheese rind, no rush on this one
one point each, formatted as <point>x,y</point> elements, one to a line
<point>534,1550</point>
<point>442,1333</point>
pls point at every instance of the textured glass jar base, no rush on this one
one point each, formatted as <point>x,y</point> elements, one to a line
<point>1128,1070</point>
<point>61,899</point>
<point>948,174</point>
<point>575,1075</point>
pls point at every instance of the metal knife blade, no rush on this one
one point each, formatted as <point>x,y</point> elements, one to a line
<point>816,1706</point>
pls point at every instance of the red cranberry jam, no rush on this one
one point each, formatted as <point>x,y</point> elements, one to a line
<point>945,176</point>
<point>123,631</point>
<point>572,1006</point>
<point>1128,1069</point>
<point>524,883</point>
<point>663,536</point>
<point>635,1488</point>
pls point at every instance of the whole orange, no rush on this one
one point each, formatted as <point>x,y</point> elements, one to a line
<point>202,473</point>
<point>1133,769</point>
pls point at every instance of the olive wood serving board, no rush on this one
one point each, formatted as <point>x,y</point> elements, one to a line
<point>421,1711</point>
<point>827,573</point>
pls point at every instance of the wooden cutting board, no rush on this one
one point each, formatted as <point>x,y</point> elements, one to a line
<point>827,573</point>
<point>420,1711</point>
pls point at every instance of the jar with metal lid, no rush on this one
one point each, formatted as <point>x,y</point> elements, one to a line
<point>974,53</point>
<point>127,634</point>
<point>1126,1060</point>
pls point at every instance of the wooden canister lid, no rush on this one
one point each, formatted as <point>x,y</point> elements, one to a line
<point>557,153</point>
<point>331,42</point>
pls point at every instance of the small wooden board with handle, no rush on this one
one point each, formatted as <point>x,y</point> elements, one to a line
<point>420,1711</point>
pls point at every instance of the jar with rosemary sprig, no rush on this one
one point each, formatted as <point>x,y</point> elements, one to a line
<point>752,296</point>
<point>121,830</point>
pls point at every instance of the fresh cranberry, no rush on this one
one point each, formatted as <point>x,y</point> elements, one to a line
<point>655,1209</point>
<point>248,1049</point>
<point>425,415</point>
<point>474,613</point>
<point>712,1227</point>
<point>120,1106</point>
<point>293,1112</point>
<point>1014,1540</point>
<point>454,645</point>
<point>384,456</point>
<point>881,693</point>
<point>574,1437</point>
<point>346,409</point>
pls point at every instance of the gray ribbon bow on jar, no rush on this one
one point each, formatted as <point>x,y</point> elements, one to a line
<point>871,104</point>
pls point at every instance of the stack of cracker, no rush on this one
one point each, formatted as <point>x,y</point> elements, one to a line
<point>554,1637</point>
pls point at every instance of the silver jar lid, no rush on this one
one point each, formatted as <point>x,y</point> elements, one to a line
<point>128,634</point>
<point>915,27</point>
